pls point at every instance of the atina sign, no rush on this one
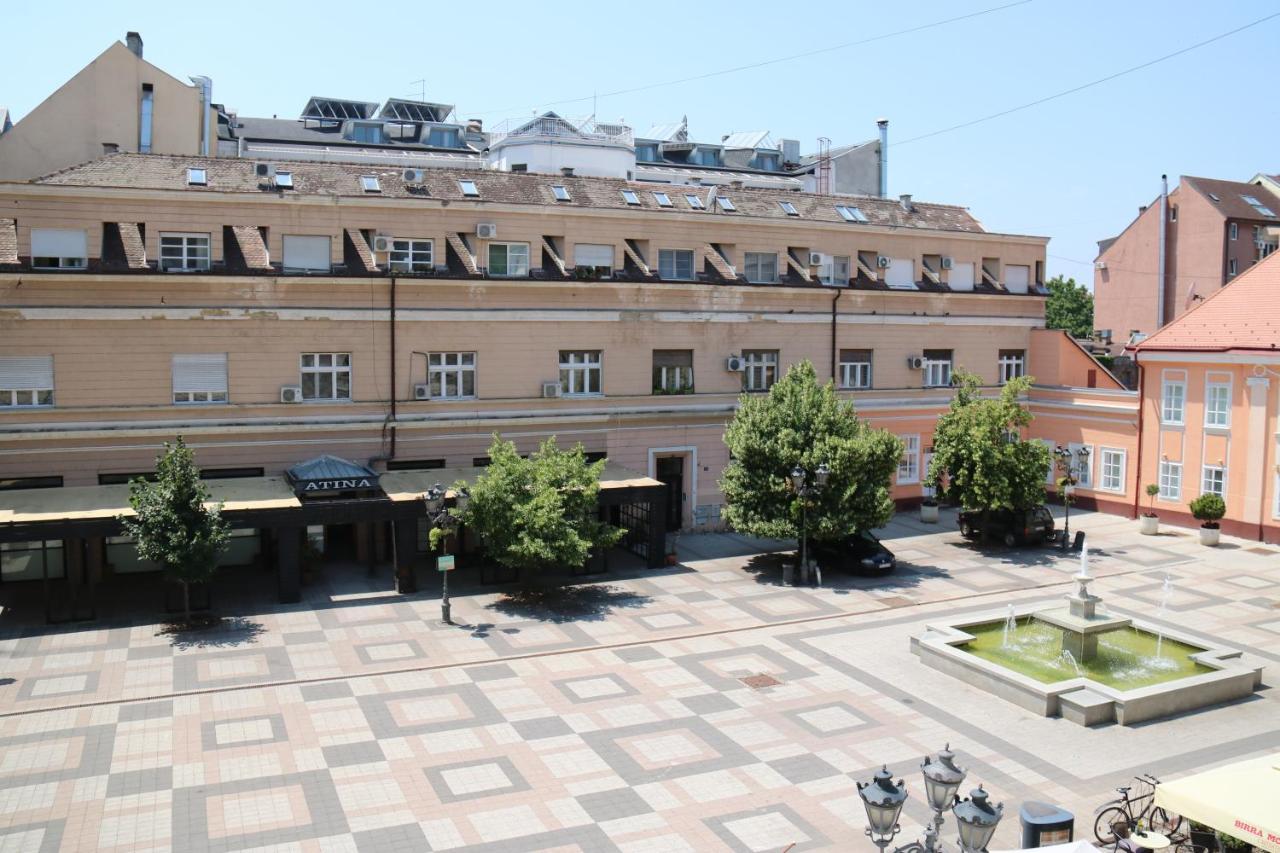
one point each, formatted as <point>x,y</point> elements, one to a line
<point>337,485</point>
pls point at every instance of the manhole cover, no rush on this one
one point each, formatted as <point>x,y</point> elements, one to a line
<point>1266,552</point>
<point>760,682</point>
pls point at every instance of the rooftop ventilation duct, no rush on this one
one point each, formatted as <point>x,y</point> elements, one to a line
<point>905,201</point>
<point>133,41</point>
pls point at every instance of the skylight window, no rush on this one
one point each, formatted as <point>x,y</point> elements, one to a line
<point>284,180</point>
<point>630,197</point>
<point>561,193</point>
<point>850,214</point>
<point>662,199</point>
<point>1257,205</point>
<point>725,204</point>
<point>469,189</point>
<point>694,201</point>
<point>1215,198</point>
<point>788,208</point>
<point>369,183</point>
<point>197,177</point>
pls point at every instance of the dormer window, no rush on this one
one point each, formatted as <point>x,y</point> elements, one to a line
<point>561,193</point>
<point>371,133</point>
<point>647,153</point>
<point>197,177</point>
<point>708,156</point>
<point>469,189</point>
<point>695,202</point>
<point>850,214</point>
<point>725,204</point>
<point>630,197</point>
<point>662,199</point>
<point>766,161</point>
<point>284,180</point>
<point>443,137</point>
<point>788,208</point>
<point>369,183</point>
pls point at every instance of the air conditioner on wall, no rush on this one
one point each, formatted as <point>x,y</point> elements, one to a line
<point>290,393</point>
<point>414,176</point>
<point>422,392</point>
<point>735,364</point>
<point>882,262</point>
<point>946,262</point>
<point>486,231</point>
<point>382,242</point>
<point>915,362</point>
<point>815,259</point>
<point>264,170</point>
<point>551,389</point>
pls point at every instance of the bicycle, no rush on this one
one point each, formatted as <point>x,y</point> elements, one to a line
<point>1138,807</point>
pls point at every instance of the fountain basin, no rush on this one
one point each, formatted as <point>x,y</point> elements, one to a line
<point>1104,691</point>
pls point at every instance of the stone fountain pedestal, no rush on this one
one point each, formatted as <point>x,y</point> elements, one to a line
<point>1081,621</point>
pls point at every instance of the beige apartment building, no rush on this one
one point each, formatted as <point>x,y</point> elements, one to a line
<point>276,313</point>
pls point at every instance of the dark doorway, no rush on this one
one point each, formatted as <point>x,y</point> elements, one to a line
<point>670,472</point>
<point>340,543</point>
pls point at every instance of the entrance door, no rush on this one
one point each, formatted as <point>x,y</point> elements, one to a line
<point>669,470</point>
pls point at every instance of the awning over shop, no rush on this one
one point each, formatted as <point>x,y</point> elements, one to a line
<point>327,474</point>
<point>81,503</point>
<point>1241,800</point>
<point>410,485</point>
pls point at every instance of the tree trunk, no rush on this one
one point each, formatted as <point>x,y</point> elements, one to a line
<point>186,602</point>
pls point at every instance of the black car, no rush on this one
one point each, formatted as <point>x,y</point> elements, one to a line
<point>860,554</point>
<point>1012,527</point>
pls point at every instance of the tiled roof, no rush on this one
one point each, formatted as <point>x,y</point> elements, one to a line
<point>8,242</point>
<point>1243,315</point>
<point>135,253</point>
<point>165,172</point>
<point>1230,198</point>
<point>253,249</point>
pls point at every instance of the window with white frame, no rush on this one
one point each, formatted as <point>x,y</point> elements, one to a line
<point>909,464</point>
<point>184,251</point>
<point>306,254</point>
<point>761,369</point>
<point>1170,481</point>
<point>760,267</point>
<point>26,381</point>
<point>1214,481</point>
<point>1111,470</point>
<point>1233,230</point>
<point>326,376</point>
<point>675,264</point>
<point>937,368</point>
<point>1173,401</point>
<point>1012,363</point>
<point>835,269</point>
<point>1217,404</point>
<point>855,368</point>
<point>594,258</point>
<point>1082,464</point>
<point>694,201</point>
<point>200,377</point>
<point>509,259</point>
<point>451,375</point>
<point>59,248</point>
<point>1232,267</point>
<point>580,372</point>
<point>673,371</point>
<point>662,199</point>
<point>411,255</point>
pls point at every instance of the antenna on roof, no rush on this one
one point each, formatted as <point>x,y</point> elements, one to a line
<point>422,88</point>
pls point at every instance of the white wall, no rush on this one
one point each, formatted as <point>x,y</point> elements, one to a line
<point>550,156</point>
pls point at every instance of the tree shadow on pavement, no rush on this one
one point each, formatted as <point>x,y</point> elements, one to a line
<point>767,569</point>
<point>589,603</point>
<point>221,634</point>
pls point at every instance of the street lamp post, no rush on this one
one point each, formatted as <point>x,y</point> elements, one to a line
<point>441,517</point>
<point>806,491</point>
<point>883,799</point>
<point>1072,463</point>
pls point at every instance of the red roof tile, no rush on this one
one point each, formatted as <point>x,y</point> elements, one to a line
<point>1244,315</point>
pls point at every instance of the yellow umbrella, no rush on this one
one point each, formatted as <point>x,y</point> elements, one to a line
<point>1241,800</point>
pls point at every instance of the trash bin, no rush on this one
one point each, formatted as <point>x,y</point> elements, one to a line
<point>1044,824</point>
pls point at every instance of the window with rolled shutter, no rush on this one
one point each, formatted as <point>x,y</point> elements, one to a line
<point>26,380</point>
<point>597,258</point>
<point>1017,278</point>
<point>310,254</point>
<point>59,248</point>
<point>200,377</point>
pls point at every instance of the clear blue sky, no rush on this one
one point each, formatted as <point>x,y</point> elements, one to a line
<point>1075,169</point>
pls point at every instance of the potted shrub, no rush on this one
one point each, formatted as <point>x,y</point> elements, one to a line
<point>929,506</point>
<point>1150,521</point>
<point>1207,509</point>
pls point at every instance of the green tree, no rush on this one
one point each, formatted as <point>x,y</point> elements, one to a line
<point>174,523</point>
<point>803,423</point>
<point>1069,306</point>
<point>980,460</point>
<point>538,513</point>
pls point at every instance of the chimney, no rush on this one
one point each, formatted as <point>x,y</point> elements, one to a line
<point>1142,208</point>
<point>110,148</point>
<point>133,41</point>
<point>475,125</point>
<point>567,171</point>
<point>905,201</point>
<point>883,124</point>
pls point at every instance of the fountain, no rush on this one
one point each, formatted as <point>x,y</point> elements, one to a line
<point>1081,661</point>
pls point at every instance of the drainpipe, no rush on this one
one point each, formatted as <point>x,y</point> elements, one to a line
<point>1160,275</point>
<point>839,293</point>
<point>206,100</point>
<point>883,124</point>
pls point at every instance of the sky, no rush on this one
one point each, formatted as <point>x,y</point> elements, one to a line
<point>1075,169</point>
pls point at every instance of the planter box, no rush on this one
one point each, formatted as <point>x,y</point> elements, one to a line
<point>1150,525</point>
<point>1210,536</point>
<point>929,514</point>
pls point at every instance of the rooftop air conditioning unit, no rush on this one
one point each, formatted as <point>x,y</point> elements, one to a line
<point>550,389</point>
<point>915,362</point>
<point>486,230</point>
<point>735,364</point>
<point>290,393</point>
<point>882,262</point>
<point>1100,265</point>
<point>422,392</point>
<point>382,242</point>
<point>946,262</point>
<point>414,176</point>
<point>264,170</point>
<point>815,259</point>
